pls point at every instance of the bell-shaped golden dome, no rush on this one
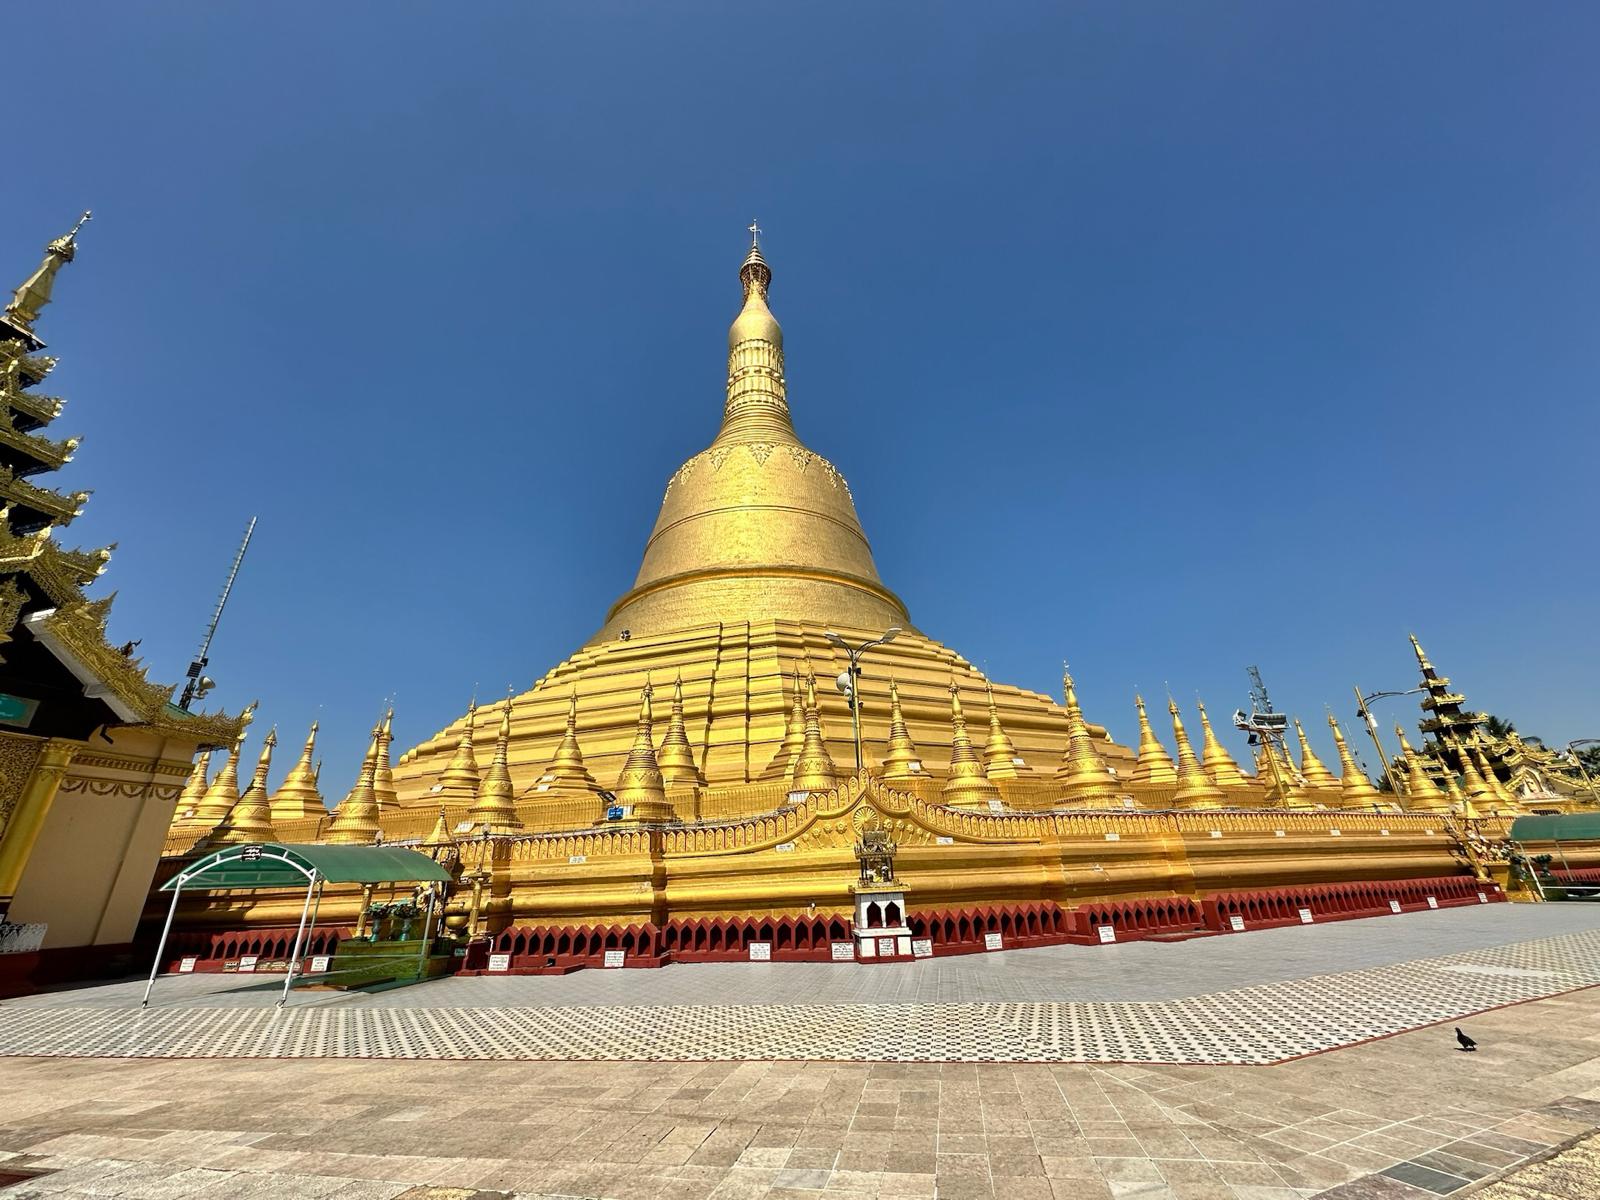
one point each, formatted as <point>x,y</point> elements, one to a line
<point>756,523</point>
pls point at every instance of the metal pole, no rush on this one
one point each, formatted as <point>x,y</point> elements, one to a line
<point>316,907</point>
<point>294,955</point>
<point>1372,730</point>
<point>162,944</point>
<point>855,702</point>
<point>427,924</point>
<point>1577,759</point>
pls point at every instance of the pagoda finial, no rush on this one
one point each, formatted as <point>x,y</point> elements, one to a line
<point>297,796</point>
<point>676,756</point>
<point>250,819</point>
<point>194,789</point>
<point>355,821</point>
<point>794,735</point>
<point>1356,790</point>
<point>1196,789</point>
<point>813,769</point>
<point>1083,774</point>
<point>30,298</point>
<point>1219,764</point>
<point>1000,758</point>
<point>567,771</point>
<point>496,806</point>
<point>755,233</point>
<point>383,774</point>
<point>1422,793</point>
<point>902,760</point>
<point>1312,769</point>
<point>967,783</point>
<point>1422,657</point>
<point>459,780</point>
<point>640,787</point>
<point>757,406</point>
<point>1154,764</point>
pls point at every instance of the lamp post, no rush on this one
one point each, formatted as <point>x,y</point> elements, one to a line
<point>1572,749</point>
<point>850,675</point>
<point>1371,723</point>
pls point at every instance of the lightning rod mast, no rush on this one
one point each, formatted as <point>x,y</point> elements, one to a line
<point>197,685</point>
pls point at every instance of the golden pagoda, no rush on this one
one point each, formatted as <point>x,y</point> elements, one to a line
<point>902,760</point>
<point>967,783</point>
<point>1155,764</point>
<point>1000,760</point>
<point>1320,785</point>
<point>1422,793</point>
<point>1219,764</point>
<point>496,804</point>
<point>1355,789</point>
<point>297,796</point>
<point>1085,778</point>
<point>1196,789</point>
<point>250,819</point>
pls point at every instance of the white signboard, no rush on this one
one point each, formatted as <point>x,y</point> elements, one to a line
<point>1236,923</point>
<point>319,963</point>
<point>1433,902</point>
<point>997,806</point>
<point>616,958</point>
<point>1127,802</point>
<point>574,859</point>
<point>1108,933</point>
<point>922,948</point>
<point>247,963</point>
<point>1394,906</point>
<point>1305,916</point>
<point>186,965</point>
<point>1113,837</point>
<point>886,947</point>
<point>1216,833</point>
<point>784,847</point>
<point>944,841</point>
<point>1279,833</point>
<point>1383,833</point>
<point>991,941</point>
<point>1482,899</point>
<point>843,951</point>
<point>1335,833</point>
<point>499,962</point>
<point>760,951</point>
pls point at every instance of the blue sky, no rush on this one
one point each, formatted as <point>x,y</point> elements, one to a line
<point>1165,338</point>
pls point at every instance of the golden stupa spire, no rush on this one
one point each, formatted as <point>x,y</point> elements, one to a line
<point>297,796</point>
<point>223,793</point>
<point>794,735</point>
<point>675,756</point>
<point>440,834</point>
<point>1422,658</point>
<point>567,771</point>
<point>1154,764</point>
<point>967,783</point>
<point>1355,789</point>
<point>1195,787</point>
<point>459,781</point>
<point>1083,774</point>
<point>195,789</point>
<point>1000,758</point>
<point>757,408</point>
<point>1219,764</point>
<point>1312,769</point>
<point>250,819</point>
<point>34,293</point>
<point>1458,798</point>
<point>640,789</point>
<point>383,776</point>
<point>813,769</point>
<point>1422,793</point>
<point>1491,781</point>
<point>355,821</point>
<point>902,760</point>
<point>497,806</point>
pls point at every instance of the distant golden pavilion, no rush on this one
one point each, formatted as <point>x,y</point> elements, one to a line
<point>688,776</point>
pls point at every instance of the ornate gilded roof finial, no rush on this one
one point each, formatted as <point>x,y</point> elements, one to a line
<point>1355,789</point>
<point>813,769</point>
<point>297,796</point>
<point>1219,764</point>
<point>1422,793</point>
<point>1422,658</point>
<point>902,760</point>
<point>440,835</point>
<point>1000,758</point>
<point>250,819</point>
<point>496,806</point>
<point>355,821</point>
<point>567,771</point>
<point>383,777</point>
<point>755,233</point>
<point>756,409</point>
<point>1154,764</point>
<point>1083,774</point>
<point>675,756</point>
<point>754,272</point>
<point>1195,788</point>
<point>34,293</point>
<point>967,783</point>
<point>640,786</point>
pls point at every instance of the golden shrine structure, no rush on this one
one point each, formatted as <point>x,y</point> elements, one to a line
<point>93,755</point>
<point>685,785</point>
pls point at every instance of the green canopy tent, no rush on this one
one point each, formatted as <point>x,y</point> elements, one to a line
<point>271,865</point>
<point>1555,829</point>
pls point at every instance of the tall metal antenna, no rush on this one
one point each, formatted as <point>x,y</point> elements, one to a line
<point>198,685</point>
<point>1259,700</point>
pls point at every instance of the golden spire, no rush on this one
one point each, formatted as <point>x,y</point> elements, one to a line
<point>1154,764</point>
<point>496,806</point>
<point>383,777</point>
<point>567,772</point>
<point>678,767</point>
<point>1458,798</point>
<point>794,736</point>
<point>1312,769</point>
<point>813,769</point>
<point>967,783</point>
<point>355,821</point>
<point>440,835</point>
<point>1000,759</point>
<point>459,781</point>
<point>34,293</point>
<point>297,796</point>
<point>1422,793</point>
<point>640,787</point>
<point>1195,787</point>
<point>757,407</point>
<point>1491,781</point>
<point>195,789</point>
<point>1422,658</point>
<point>1355,789</point>
<point>1219,764</point>
<point>902,761</point>
<point>1083,774</point>
<point>223,793</point>
<point>250,820</point>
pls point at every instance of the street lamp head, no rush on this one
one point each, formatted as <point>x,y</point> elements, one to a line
<point>833,637</point>
<point>890,634</point>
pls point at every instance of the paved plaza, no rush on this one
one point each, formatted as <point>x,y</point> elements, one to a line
<point>457,1098</point>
